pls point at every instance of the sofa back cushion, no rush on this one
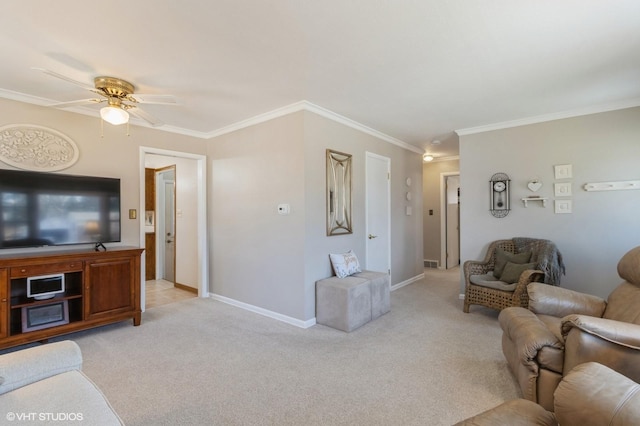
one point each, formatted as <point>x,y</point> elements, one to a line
<point>623,304</point>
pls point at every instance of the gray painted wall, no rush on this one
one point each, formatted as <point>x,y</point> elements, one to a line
<point>603,226</point>
<point>257,256</point>
<point>271,261</point>
<point>406,231</point>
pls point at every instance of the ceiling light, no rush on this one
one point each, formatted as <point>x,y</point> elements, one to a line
<point>114,113</point>
<point>427,157</point>
<point>436,142</point>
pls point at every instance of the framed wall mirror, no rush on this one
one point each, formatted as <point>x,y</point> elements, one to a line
<point>338,193</point>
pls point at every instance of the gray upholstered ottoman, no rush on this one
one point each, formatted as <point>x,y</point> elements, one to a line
<point>350,302</point>
<point>380,292</point>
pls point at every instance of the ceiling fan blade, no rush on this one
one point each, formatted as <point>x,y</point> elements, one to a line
<point>75,103</point>
<point>65,78</point>
<point>155,99</point>
<point>133,110</point>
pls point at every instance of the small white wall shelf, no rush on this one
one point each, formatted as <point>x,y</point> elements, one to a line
<point>541,199</point>
<point>612,186</point>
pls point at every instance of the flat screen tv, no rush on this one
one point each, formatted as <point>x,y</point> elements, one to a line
<point>49,209</point>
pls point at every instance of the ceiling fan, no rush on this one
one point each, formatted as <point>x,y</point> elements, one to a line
<point>120,98</point>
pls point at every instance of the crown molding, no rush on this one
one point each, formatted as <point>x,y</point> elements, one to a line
<point>361,127</point>
<point>21,97</point>
<point>260,118</point>
<point>323,112</point>
<point>631,103</point>
<point>450,158</point>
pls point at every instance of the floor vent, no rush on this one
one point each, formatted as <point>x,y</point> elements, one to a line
<point>431,264</point>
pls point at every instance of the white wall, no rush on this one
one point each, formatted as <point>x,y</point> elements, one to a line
<point>603,226</point>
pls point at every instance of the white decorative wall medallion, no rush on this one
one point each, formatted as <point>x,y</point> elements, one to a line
<point>32,147</point>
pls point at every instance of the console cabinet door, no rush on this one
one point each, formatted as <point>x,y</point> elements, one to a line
<point>110,287</point>
<point>4,302</point>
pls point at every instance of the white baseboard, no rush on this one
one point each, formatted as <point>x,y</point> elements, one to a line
<point>264,312</point>
<point>284,318</point>
<point>407,282</point>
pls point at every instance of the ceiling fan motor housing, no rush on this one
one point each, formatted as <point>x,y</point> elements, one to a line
<point>114,87</point>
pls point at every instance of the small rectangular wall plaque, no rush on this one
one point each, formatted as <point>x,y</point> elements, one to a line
<point>563,206</point>
<point>563,171</point>
<point>562,189</point>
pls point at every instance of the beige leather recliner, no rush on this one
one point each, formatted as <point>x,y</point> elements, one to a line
<point>563,328</point>
<point>590,395</point>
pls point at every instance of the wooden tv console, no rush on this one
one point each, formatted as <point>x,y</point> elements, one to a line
<point>101,287</point>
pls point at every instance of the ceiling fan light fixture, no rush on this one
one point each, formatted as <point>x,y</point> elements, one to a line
<point>114,115</point>
<point>427,157</point>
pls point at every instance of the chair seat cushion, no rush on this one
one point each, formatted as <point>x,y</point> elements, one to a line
<point>490,281</point>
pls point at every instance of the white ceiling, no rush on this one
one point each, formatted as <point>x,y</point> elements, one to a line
<point>415,70</point>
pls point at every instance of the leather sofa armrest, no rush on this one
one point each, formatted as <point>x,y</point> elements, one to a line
<point>21,368</point>
<point>618,332</point>
<point>559,302</point>
<point>529,334</point>
<point>592,394</point>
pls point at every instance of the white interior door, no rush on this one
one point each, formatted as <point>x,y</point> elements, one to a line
<point>169,231</point>
<point>378,242</point>
<point>165,224</point>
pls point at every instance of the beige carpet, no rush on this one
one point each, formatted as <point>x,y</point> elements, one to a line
<point>201,362</point>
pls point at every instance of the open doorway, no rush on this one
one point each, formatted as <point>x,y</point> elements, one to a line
<point>174,226</point>
<point>450,219</point>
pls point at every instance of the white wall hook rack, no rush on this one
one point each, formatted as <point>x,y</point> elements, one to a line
<point>612,186</point>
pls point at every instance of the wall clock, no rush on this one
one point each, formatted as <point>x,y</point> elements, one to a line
<point>499,195</point>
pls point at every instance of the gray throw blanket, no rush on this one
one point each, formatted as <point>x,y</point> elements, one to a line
<point>545,255</point>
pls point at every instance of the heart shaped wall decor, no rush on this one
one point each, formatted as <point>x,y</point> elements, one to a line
<point>534,185</point>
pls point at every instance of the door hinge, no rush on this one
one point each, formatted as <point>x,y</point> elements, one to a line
<point>388,176</point>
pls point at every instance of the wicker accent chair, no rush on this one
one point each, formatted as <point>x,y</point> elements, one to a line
<point>496,298</point>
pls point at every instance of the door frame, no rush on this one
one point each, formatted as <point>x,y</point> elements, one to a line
<point>387,160</point>
<point>201,191</point>
<point>443,217</point>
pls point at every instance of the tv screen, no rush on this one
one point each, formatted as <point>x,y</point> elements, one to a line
<point>49,209</point>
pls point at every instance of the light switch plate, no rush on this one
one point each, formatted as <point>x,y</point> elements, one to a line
<point>284,209</point>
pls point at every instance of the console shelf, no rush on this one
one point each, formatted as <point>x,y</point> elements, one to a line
<point>100,288</point>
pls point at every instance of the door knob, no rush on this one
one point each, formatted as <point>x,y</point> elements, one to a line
<point>371,237</point>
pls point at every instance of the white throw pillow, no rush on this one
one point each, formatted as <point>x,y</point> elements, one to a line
<point>345,264</point>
